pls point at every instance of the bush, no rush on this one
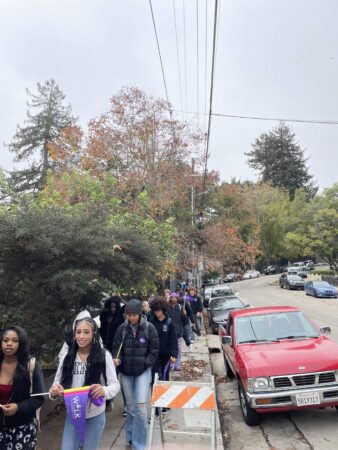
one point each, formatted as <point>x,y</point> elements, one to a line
<point>323,272</point>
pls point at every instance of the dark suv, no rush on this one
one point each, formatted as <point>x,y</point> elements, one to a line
<point>291,281</point>
<point>270,270</point>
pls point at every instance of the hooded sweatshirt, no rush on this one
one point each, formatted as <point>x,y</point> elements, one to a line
<point>70,336</point>
<point>111,388</point>
<point>108,329</point>
<point>166,335</point>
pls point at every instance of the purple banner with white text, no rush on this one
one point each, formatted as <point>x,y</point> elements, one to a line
<point>76,403</point>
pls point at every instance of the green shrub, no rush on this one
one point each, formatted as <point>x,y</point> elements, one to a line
<point>323,272</point>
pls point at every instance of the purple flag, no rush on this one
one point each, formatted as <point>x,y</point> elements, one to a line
<point>76,404</point>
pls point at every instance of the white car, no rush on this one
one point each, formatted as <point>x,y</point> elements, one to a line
<point>251,274</point>
<point>292,270</point>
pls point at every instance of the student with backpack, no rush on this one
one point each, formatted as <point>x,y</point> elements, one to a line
<point>20,376</point>
<point>188,320</point>
<point>165,328</point>
<point>135,349</point>
<point>175,312</point>
<point>197,308</point>
<point>86,364</point>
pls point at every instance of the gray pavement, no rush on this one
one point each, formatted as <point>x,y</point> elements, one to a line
<point>195,366</point>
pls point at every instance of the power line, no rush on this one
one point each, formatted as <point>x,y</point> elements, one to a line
<point>273,119</point>
<point>197,60</point>
<point>206,61</point>
<point>178,57</point>
<point>210,107</point>
<point>160,56</point>
<point>185,59</point>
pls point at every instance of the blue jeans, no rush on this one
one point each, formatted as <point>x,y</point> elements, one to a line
<point>136,391</point>
<point>94,429</point>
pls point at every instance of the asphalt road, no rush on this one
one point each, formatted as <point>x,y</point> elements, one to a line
<point>312,429</point>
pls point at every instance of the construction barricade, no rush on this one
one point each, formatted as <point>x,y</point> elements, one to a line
<point>183,395</point>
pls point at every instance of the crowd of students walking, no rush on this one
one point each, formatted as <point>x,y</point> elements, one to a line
<point>122,348</point>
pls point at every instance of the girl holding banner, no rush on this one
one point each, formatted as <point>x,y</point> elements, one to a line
<point>18,379</point>
<point>86,377</point>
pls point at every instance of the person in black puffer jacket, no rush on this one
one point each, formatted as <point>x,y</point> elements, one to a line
<point>135,350</point>
<point>18,423</point>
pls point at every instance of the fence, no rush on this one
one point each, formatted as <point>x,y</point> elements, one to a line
<point>332,279</point>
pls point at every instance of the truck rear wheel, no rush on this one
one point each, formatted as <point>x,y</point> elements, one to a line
<point>251,417</point>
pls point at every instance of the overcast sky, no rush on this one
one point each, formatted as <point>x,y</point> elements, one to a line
<point>275,58</point>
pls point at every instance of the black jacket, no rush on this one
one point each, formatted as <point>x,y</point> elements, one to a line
<point>195,303</point>
<point>187,312</point>
<point>175,313</point>
<point>166,335</point>
<point>27,405</point>
<point>139,352</point>
<point>108,330</point>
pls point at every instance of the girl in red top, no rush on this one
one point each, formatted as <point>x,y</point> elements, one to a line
<point>18,422</point>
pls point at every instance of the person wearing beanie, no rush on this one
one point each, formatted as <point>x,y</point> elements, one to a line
<point>135,351</point>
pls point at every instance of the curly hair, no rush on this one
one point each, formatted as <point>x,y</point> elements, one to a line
<point>96,362</point>
<point>159,304</point>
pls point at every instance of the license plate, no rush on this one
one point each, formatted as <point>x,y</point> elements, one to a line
<point>308,398</point>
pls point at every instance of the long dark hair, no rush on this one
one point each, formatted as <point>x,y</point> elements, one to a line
<point>21,371</point>
<point>96,361</point>
<point>106,311</point>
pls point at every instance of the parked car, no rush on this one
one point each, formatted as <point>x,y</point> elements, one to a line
<point>217,290</point>
<point>320,289</point>
<point>291,281</point>
<point>309,263</point>
<point>220,308</point>
<point>281,360</point>
<point>303,272</point>
<point>232,277</point>
<point>295,267</point>
<point>270,270</point>
<point>251,274</point>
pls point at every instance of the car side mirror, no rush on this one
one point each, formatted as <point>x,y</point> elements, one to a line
<point>226,340</point>
<point>325,330</point>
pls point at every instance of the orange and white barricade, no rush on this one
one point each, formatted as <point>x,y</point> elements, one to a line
<point>183,395</point>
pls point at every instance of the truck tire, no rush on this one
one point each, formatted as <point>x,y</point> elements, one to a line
<point>251,417</point>
<point>229,372</point>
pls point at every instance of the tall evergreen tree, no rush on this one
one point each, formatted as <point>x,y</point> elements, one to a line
<point>47,116</point>
<point>281,161</point>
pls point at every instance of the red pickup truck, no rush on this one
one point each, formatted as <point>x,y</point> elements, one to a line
<point>281,359</point>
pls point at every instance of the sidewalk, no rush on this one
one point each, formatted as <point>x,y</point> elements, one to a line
<point>195,367</point>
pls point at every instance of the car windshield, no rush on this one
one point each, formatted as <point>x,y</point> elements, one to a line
<point>222,292</point>
<point>321,284</point>
<point>223,303</point>
<point>274,327</point>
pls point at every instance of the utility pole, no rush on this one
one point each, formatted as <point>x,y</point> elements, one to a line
<point>193,269</point>
<point>192,192</point>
